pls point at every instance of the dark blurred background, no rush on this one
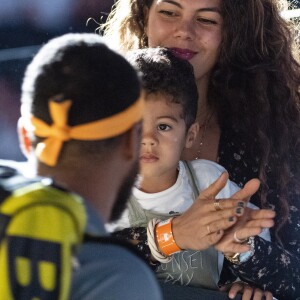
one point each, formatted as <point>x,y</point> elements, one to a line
<point>24,26</point>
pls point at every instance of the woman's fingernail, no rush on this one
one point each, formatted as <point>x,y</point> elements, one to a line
<point>239,211</point>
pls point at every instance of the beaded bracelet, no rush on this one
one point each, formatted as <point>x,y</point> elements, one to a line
<point>152,243</point>
<point>165,239</point>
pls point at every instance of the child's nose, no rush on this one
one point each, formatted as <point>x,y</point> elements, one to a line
<point>149,139</point>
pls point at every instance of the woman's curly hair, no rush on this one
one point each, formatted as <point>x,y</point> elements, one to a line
<point>125,25</point>
<point>255,85</point>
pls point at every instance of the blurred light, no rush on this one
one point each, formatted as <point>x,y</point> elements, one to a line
<point>291,13</point>
<point>18,53</point>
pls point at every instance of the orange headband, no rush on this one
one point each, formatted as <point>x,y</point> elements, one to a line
<point>59,132</point>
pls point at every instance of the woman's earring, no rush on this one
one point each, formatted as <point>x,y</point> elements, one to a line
<point>144,41</point>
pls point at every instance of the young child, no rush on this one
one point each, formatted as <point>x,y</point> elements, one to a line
<point>167,186</point>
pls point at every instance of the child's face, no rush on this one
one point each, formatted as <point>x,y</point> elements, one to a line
<point>164,137</point>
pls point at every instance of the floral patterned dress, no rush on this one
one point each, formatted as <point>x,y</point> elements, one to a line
<point>273,267</point>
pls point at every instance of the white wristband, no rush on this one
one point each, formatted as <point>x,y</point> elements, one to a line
<point>152,244</point>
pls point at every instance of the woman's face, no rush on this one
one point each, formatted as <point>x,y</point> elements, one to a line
<point>191,29</point>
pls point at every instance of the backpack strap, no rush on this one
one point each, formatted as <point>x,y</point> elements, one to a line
<point>41,227</point>
<point>191,177</point>
<point>10,180</point>
<point>4,220</point>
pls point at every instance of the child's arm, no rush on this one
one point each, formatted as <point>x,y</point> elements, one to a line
<point>249,292</point>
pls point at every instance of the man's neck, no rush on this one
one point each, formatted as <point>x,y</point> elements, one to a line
<point>89,182</point>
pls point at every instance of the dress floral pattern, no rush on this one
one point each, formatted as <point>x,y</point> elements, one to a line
<point>274,266</point>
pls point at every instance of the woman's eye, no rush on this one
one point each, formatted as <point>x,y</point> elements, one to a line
<point>163,127</point>
<point>167,13</point>
<point>206,21</point>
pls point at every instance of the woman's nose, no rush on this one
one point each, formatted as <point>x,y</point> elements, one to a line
<point>185,30</point>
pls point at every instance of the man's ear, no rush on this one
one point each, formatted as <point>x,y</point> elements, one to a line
<point>132,142</point>
<point>24,140</point>
<point>191,135</point>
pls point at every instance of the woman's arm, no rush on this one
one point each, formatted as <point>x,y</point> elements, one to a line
<point>276,267</point>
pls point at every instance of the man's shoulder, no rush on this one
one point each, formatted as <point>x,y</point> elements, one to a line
<point>110,256</point>
<point>111,271</point>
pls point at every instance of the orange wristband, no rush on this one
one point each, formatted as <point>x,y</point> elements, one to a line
<point>165,239</point>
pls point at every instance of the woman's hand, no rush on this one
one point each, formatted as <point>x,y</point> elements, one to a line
<point>249,292</point>
<point>251,223</point>
<point>203,224</point>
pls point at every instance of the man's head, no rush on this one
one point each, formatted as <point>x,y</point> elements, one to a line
<point>79,98</point>
<point>170,109</point>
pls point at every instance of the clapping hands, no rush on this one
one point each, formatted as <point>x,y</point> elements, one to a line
<point>217,222</point>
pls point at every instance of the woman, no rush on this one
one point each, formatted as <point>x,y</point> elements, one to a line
<point>249,98</point>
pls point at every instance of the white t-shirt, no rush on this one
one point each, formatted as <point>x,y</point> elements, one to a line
<point>179,197</point>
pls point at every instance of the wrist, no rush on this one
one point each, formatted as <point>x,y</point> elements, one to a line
<point>177,234</point>
<point>156,255</point>
<point>165,239</point>
<point>239,258</point>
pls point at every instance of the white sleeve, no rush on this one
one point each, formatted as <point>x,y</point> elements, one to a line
<point>207,172</point>
<point>120,224</point>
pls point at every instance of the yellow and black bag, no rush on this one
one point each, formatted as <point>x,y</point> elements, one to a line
<point>41,226</point>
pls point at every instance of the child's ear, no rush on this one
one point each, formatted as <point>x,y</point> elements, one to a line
<point>191,135</point>
<point>24,140</point>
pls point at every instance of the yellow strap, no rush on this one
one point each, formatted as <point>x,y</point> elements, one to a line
<point>57,133</point>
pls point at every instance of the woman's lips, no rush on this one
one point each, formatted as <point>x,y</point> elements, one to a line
<point>148,158</point>
<point>186,54</point>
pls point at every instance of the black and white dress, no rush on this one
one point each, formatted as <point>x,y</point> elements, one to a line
<point>274,267</point>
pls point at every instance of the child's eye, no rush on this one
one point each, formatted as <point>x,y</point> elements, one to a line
<point>163,127</point>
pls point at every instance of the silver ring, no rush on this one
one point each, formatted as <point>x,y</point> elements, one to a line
<point>208,229</point>
<point>217,205</point>
<point>238,240</point>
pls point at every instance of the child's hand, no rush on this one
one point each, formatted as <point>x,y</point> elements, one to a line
<point>249,292</point>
